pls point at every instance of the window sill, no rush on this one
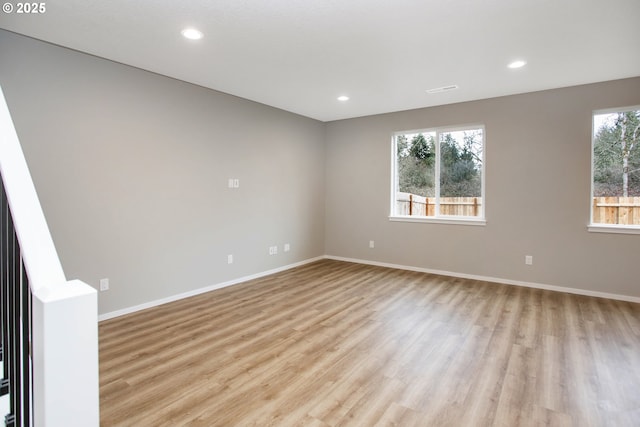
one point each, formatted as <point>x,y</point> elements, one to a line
<point>440,220</point>
<point>613,228</point>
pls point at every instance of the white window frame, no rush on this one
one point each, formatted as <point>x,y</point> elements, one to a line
<point>438,219</point>
<point>600,227</point>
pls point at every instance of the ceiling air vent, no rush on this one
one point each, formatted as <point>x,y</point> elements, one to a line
<point>442,89</point>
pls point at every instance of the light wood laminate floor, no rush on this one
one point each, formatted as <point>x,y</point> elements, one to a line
<point>340,344</point>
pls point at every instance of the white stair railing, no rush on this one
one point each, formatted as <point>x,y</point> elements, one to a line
<point>64,330</point>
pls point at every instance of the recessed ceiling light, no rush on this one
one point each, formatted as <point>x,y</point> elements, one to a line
<point>517,64</point>
<point>343,98</point>
<point>192,34</point>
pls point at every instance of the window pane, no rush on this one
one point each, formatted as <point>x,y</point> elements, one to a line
<point>416,157</point>
<point>439,173</point>
<point>616,168</point>
<point>461,172</point>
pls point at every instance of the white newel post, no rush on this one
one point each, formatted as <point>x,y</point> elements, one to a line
<point>64,346</point>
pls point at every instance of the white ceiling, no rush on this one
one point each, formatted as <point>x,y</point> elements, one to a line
<point>300,55</point>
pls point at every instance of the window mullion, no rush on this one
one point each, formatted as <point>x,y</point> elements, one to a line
<point>437,174</point>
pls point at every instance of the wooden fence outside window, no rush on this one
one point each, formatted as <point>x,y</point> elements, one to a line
<point>616,210</point>
<point>414,205</point>
<point>606,210</point>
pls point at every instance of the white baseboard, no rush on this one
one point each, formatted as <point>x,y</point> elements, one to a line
<point>492,279</point>
<point>199,291</point>
<point>166,300</point>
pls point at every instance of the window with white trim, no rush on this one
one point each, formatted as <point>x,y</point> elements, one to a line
<point>615,171</point>
<point>438,175</point>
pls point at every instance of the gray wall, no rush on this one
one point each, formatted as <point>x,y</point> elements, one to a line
<point>132,168</point>
<point>537,193</point>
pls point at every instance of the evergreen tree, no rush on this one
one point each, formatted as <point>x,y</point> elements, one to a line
<point>416,163</point>
<point>460,165</point>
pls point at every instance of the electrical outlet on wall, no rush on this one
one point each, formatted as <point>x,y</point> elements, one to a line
<point>528,259</point>
<point>104,285</point>
<point>230,259</point>
<point>372,244</point>
<point>287,247</point>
